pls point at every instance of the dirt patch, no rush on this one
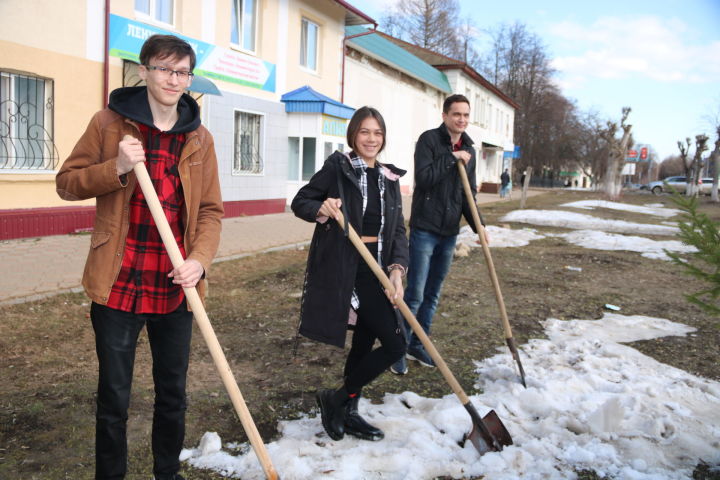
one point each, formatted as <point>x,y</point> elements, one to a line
<point>48,366</point>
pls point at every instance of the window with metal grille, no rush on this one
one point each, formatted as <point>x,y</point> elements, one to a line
<point>247,156</point>
<point>26,123</point>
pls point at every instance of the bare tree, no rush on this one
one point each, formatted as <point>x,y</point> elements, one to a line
<point>684,154</point>
<point>696,165</point>
<point>431,24</point>
<point>617,152</point>
<point>671,166</point>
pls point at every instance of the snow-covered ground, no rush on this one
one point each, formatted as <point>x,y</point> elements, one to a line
<point>579,221</point>
<point>610,241</point>
<point>657,209</point>
<point>591,403</point>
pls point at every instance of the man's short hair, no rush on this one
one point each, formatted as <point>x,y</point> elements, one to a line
<point>166,46</point>
<point>356,121</point>
<point>457,98</point>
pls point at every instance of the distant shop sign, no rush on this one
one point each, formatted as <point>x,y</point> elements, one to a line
<point>334,126</point>
<point>638,154</point>
<point>127,37</point>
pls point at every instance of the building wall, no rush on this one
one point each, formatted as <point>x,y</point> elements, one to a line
<point>220,113</point>
<point>70,61</point>
<point>69,51</point>
<point>331,19</point>
<point>408,106</point>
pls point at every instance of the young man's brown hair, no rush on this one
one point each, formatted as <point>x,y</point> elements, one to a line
<point>166,46</point>
<point>454,99</point>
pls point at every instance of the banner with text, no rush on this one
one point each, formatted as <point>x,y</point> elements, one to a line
<point>127,37</point>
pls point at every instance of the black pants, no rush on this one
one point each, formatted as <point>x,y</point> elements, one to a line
<point>377,319</point>
<point>116,334</point>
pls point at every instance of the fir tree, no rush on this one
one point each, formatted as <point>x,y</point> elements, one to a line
<point>701,232</point>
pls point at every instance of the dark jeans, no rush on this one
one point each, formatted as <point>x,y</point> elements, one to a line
<point>116,334</point>
<point>377,319</point>
<point>430,259</point>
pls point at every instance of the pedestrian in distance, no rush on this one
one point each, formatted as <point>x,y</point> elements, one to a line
<point>340,288</point>
<point>438,204</point>
<point>504,184</point>
<point>128,274</point>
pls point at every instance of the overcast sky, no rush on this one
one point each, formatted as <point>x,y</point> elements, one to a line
<point>661,57</point>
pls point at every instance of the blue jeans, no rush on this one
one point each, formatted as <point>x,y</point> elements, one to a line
<point>430,259</point>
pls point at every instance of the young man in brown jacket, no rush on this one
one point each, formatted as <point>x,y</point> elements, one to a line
<point>128,274</point>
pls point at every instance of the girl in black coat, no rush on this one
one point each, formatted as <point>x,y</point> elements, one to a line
<point>339,287</point>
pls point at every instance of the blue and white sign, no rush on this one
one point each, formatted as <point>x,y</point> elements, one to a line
<point>127,37</point>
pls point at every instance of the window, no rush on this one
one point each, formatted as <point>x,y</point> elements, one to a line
<point>309,44</point>
<point>246,155</point>
<point>244,24</point>
<point>156,10</point>
<point>301,167</point>
<point>308,154</point>
<point>26,123</point>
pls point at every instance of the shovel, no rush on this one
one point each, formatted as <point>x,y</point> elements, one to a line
<point>491,271</point>
<point>488,433</point>
<point>203,322</point>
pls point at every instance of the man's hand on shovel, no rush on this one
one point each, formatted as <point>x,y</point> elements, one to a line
<point>130,153</point>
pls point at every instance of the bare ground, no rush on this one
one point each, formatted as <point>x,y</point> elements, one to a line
<point>48,365</point>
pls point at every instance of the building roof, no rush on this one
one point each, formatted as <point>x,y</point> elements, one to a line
<point>307,100</point>
<point>382,49</point>
<point>353,16</point>
<point>443,62</point>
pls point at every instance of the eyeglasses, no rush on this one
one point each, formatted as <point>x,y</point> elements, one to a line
<point>182,75</point>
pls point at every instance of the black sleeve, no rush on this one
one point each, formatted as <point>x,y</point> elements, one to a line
<point>309,199</point>
<point>400,253</point>
<point>430,167</point>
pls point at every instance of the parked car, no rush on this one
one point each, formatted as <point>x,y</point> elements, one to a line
<point>679,184</point>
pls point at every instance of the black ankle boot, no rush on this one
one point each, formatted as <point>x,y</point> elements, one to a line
<point>332,411</point>
<point>356,426</point>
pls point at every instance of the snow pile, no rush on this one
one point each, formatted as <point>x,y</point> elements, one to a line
<point>591,403</point>
<point>610,241</point>
<point>499,237</point>
<point>579,221</point>
<point>656,209</point>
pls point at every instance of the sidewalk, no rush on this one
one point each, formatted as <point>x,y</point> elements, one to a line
<point>33,268</point>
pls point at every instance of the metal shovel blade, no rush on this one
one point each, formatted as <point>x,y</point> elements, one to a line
<point>488,433</point>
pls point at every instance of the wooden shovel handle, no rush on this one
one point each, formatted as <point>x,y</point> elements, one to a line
<point>486,250</point>
<point>203,322</point>
<point>405,310</point>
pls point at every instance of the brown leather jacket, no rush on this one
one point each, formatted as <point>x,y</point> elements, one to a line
<point>90,171</point>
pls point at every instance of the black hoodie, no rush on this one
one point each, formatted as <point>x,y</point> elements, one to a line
<point>132,103</point>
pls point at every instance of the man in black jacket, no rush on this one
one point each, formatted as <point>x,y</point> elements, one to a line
<point>437,205</point>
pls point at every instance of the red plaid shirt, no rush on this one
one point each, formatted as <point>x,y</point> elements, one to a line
<point>143,285</point>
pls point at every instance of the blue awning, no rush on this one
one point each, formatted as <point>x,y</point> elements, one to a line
<point>203,85</point>
<point>307,100</point>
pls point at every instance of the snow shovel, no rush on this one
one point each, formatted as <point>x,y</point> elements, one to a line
<point>203,322</point>
<point>488,433</point>
<point>491,271</point>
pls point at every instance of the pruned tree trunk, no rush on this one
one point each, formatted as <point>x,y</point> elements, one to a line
<point>617,154</point>
<point>696,166</point>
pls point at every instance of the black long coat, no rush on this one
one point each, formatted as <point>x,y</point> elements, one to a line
<point>438,199</point>
<point>333,260</point>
